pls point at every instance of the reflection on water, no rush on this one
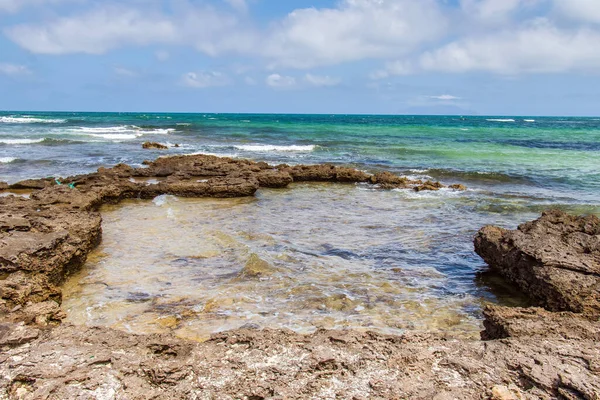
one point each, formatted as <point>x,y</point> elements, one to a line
<point>314,255</point>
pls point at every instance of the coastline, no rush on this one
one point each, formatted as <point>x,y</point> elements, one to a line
<point>48,236</point>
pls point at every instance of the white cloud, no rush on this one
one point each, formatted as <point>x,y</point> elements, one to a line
<point>321,81</point>
<point>279,81</point>
<point>495,11</point>
<point>355,30</point>
<point>538,47</point>
<point>250,81</point>
<point>580,10</point>
<point>95,32</point>
<point>205,79</point>
<point>14,69</point>
<point>107,27</point>
<point>444,97</point>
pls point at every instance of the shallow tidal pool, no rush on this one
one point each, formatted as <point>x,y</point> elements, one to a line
<point>311,256</point>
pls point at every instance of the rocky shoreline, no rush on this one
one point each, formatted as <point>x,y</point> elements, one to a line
<point>548,352</point>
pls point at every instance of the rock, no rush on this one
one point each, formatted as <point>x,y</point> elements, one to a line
<point>326,173</point>
<point>555,260</point>
<point>505,322</point>
<point>154,145</point>
<point>504,393</point>
<point>17,334</point>
<point>274,178</point>
<point>390,180</point>
<point>428,185</point>
<point>33,184</point>
<point>3,186</point>
<point>458,187</point>
<point>256,267</point>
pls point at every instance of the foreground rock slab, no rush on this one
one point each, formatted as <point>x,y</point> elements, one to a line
<point>71,362</point>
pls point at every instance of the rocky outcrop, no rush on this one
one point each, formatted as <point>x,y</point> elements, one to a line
<point>528,353</point>
<point>154,145</point>
<point>555,260</point>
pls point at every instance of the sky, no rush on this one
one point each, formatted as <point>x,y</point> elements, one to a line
<point>486,57</point>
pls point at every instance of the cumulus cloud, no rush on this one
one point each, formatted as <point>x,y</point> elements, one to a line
<point>107,27</point>
<point>205,79</point>
<point>94,32</point>
<point>579,10</point>
<point>355,30</point>
<point>538,47</point>
<point>280,81</point>
<point>495,11</point>
<point>408,36</point>
<point>13,69</point>
<point>321,81</point>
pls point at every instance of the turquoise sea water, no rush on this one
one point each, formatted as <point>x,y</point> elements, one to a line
<point>553,157</point>
<point>419,243</point>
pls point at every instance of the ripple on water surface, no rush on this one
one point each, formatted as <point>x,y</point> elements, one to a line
<point>315,255</point>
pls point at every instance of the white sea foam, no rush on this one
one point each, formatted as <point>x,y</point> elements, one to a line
<point>115,136</point>
<point>21,141</point>
<point>122,129</point>
<point>7,160</point>
<point>268,148</point>
<point>159,131</point>
<point>30,120</point>
<point>110,129</point>
<point>529,120</point>
<point>206,153</point>
<point>500,120</point>
<point>183,124</point>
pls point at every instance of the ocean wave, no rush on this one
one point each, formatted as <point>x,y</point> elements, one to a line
<point>7,160</point>
<point>500,120</point>
<point>268,148</point>
<point>115,136</point>
<point>21,141</point>
<point>529,120</point>
<point>30,120</point>
<point>109,129</point>
<point>123,129</point>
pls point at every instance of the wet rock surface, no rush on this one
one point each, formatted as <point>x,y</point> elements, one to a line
<point>527,353</point>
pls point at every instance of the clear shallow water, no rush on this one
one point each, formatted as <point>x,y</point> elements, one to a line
<point>318,255</point>
<point>314,255</point>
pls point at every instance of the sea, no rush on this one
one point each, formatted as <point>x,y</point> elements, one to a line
<point>333,256</point>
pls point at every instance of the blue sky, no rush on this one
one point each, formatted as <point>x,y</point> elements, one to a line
<point>490,57</point>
